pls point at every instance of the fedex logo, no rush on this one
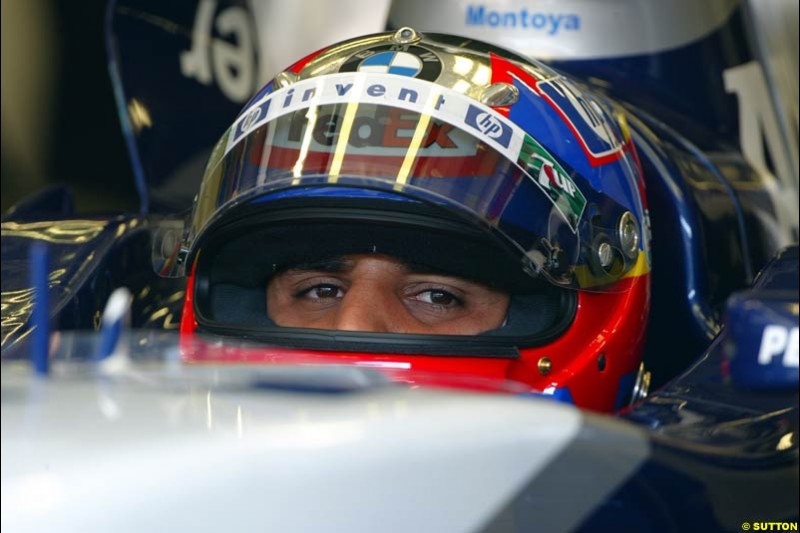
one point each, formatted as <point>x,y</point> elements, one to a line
<point>379,131</point>
<point>779,340</point>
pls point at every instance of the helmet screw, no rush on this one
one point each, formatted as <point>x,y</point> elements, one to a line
<point>406,35</point>
<point>284,79</point>
<point>641,386</point>
<point>605,254</point>
<point>544,365</point>
<point>500,94</point>
<point>601,362</point>
<point>628,233</point>
<point>169,242</point>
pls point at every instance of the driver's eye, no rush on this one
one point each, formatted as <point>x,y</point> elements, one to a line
<point>441,297</point>
<point>320,292</point>
<point>325,291</point>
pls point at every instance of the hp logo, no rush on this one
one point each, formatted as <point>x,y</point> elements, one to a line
<point>251,118</point>
<point>489,125</point>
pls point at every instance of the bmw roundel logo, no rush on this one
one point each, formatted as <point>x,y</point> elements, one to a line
<point>411,61</point>
<point>401,63</point>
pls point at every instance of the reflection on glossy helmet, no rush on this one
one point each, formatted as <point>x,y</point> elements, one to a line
<point>445,152</point>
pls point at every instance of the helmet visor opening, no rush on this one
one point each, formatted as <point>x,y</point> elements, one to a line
<point>235,268</point>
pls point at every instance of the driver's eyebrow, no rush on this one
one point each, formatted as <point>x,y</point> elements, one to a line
<point>330,265</point>
<point>340,264</point>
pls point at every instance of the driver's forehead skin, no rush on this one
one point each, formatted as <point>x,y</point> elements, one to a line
<point>379,293</point>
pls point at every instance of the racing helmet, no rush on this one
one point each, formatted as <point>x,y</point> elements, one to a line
<point>443,152</point>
